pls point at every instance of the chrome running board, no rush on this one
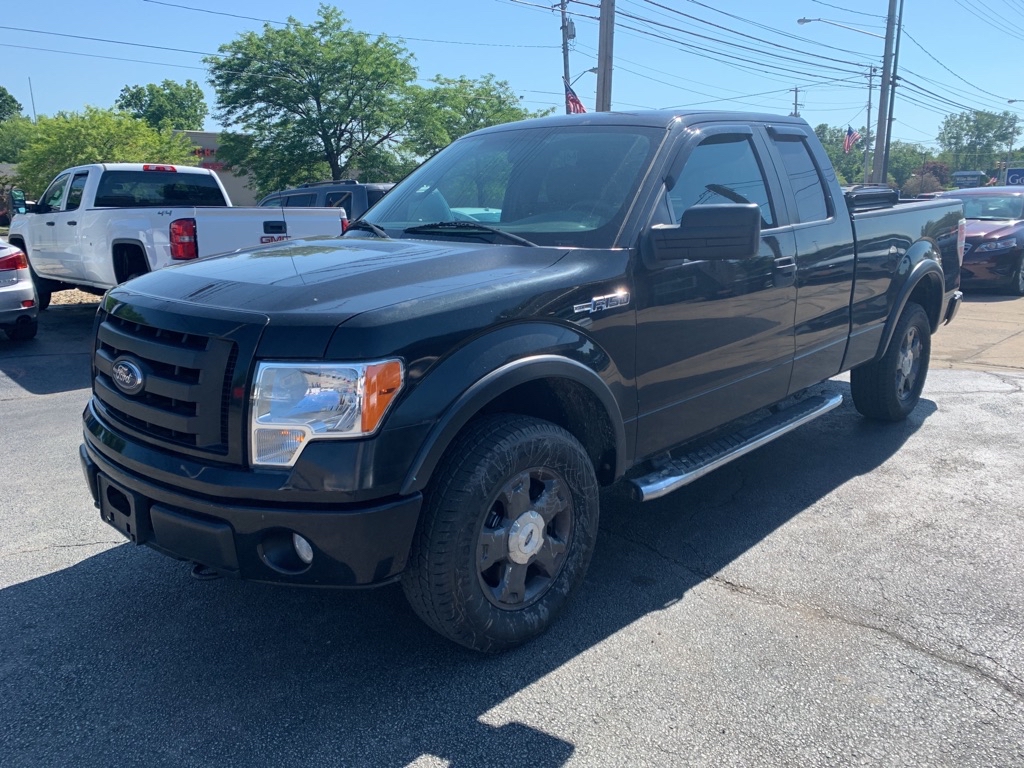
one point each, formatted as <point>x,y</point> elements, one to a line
<point>683,470</point>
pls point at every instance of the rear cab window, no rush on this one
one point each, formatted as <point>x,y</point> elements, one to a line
<point>156,189</point>
<point>812,200</point>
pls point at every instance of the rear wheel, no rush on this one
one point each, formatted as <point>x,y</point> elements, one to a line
<point>888,389</point>
<point>508,528</point>
<point>23,331</point>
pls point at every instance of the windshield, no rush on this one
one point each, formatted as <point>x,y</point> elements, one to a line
<point>993,206</point>
<point>564,186</point>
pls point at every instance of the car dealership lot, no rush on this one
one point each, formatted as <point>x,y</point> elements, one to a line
<point>850,594</point>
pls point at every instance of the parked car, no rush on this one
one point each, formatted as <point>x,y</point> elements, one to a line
<point>994,248</point>
<point>436,401</point>
<point>349,194</point>
<point>97,226</point>
<point>18,303</point>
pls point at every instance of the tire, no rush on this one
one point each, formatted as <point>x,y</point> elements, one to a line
<point>888,389</point>
<point>23,331</point>
<point>43,292</point>
<point>1017,283</point>
<point>506,535</point>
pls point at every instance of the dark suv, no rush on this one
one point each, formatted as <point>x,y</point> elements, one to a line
<point>349,194</point>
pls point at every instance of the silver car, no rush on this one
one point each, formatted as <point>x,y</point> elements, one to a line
<point>19,305</point>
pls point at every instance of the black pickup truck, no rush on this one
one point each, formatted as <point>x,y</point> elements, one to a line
<point>542,309</point>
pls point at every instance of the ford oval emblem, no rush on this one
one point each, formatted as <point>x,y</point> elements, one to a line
<point>127,376</point>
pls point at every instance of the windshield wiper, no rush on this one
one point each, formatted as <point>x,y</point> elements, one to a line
<point>469,227</point>
<point>369,226</point>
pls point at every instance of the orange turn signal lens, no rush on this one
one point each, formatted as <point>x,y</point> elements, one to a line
<point>383,383</point>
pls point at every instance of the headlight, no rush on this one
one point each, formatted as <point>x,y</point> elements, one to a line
<point>293,403</point>
<point>997,245</point>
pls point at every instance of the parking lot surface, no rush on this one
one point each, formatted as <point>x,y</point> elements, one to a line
<point>850,594</point>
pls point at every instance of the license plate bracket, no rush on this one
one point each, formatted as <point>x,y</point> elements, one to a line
<point>123,510</point>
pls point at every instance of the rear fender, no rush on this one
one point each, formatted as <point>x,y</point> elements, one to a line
<point>922,283</point>
<point>490,367</point>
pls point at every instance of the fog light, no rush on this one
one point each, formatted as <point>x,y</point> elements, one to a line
<point>302,548</point>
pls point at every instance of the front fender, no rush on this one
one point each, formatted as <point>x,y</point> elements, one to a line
<point>455,390</point>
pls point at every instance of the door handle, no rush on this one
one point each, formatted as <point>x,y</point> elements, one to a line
<point>51,223</point>
<point>785,271</point>
<point>72,223</point>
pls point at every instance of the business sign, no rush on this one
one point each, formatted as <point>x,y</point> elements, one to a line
<point>1015,176</point>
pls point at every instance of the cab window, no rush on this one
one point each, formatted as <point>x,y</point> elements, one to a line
<point>721,170</point>
<point>54,195</point>
<point>804,177</point>
<point>75,192</point>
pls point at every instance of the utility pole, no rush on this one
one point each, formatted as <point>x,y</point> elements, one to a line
<point>33,95</point>
<point>892,94</point>
<point>867,139</point>
<point>606,34</point>
<point>565,48</point>
<point>796,103</point>
<point>881,134</point>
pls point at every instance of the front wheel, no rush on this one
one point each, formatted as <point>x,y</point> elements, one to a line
<point>888,389</point>
<point>508,528</point>
<point>1017,284</point>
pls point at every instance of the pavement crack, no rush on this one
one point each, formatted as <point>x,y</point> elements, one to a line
<point>57,546</point>
<point>973,669</point>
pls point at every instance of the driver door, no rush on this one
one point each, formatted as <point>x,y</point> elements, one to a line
<point>715,338</point>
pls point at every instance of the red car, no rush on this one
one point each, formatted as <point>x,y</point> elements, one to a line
<point>994,251</point>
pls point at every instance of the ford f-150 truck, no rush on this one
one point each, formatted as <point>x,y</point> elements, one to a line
<point>96,226</point>
<point>437,399</point>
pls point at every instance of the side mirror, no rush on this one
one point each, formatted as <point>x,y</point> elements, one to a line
<point>708,232</point>
<point>16,202</point>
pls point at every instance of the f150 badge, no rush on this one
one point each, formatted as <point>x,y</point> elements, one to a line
<point>601,303</point>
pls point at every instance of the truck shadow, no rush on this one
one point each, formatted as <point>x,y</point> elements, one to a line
<point>122,659</point>
<point>57,360</point>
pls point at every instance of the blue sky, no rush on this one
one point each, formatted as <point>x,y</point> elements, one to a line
<point>956,54</point>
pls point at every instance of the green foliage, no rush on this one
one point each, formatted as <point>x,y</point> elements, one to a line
<point>454,107</point>
<point>15,133</point>
<point>316,95</point>
<point>183,105</point>
<point>9,106</point>
<point>906,159</point>
<point>95,136</point>
<point>977,140</point>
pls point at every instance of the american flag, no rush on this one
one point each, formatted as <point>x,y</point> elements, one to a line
<point>852,137</point>
<point>572,101</point>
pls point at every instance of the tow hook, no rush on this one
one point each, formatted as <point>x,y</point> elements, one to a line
<point>202,572</point>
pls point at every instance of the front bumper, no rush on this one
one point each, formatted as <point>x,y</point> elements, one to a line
<point>353,545</point>
<point>990,270</point>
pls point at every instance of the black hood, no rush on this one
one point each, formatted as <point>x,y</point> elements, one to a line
<point>339,278</point>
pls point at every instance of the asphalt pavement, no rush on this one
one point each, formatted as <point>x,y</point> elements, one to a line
<point>851,594</point>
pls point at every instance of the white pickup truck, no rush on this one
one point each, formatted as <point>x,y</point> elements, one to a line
<point>97,226</point>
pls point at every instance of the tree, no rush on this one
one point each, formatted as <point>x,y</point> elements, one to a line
<point>95,136</point>
<point>15,133</point>
<point>183,105</point>
<point>918,184</point>
<point>454,107</point>
<point>906,159</point>
<point>318,95</point>
<point>9,106</point>
<point>977,140</point>
<point>939,171</point>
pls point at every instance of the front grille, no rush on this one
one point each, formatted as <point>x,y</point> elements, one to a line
<point>186,395</point>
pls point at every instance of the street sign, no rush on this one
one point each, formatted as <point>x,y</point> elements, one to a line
<point>1015,176</point>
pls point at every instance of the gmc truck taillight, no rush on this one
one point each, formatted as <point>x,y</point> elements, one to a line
<point>183,240</point>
